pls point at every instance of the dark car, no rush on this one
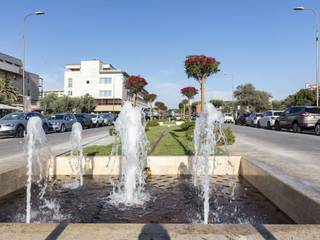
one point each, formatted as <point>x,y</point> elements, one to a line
<point>242,119</point>
<point>84,119</point>
<point>298,118</point>
<point>15,123</point>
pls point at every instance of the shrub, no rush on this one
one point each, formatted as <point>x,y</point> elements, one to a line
<point>229,137</point>
<point>189,133</point>
<point>152,124</point>
<point>187,125</point>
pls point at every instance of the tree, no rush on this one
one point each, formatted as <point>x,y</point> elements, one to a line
<point>182,107</point>
<point>254,100</point>
<point>7,92</point>
<point>217,103</point>
<point>64,104</point>
<point>200,67</point>
<point>305,97</point>
<point>85,104</point>
<point>189,92</point>
<point>149,98</point>
<point>161,107</point>
<point>135,84</point>
<point>47,103</point>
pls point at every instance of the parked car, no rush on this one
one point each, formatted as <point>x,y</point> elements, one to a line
<point>84,120</point>
<point>298,118</point>
<point>268,119</point>
<point>317,128</point>
<point>61,122</point>
<point>253,119</point>
<point>97,120</point>
<point>15,124</point>
<point>228,118</point>
<point>242,119</point>
<point>108,119</point>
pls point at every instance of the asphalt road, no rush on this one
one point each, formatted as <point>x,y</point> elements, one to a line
<point>296,155</point>
<point>12,149</point>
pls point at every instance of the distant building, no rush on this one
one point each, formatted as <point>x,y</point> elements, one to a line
<point>11,68</point>
<point>58,93</point>
<point>102,81</point>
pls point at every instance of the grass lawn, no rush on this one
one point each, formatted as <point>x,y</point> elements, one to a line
<point>174,143</point>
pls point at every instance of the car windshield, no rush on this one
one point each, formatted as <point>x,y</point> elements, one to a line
<point>14,116</point>
<point>228,114</point>
<point>277,113</point>
<point>56,117</point>
<point>259,114</point>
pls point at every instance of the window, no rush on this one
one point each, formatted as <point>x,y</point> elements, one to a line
<point>105,80</point>
<point>105,93</point>
<point>69,93</point>
<point>88,81</point>
<point>69,82</point>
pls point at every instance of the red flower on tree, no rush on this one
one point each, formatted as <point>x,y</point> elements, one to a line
<point>135,84</point>
<point>189,92</point>
<point>200,67</point>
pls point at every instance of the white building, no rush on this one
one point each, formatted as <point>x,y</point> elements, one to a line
<point>58,93</point>
<point>102,81</point>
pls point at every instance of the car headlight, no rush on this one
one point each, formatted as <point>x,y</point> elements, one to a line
<point>9,125</point>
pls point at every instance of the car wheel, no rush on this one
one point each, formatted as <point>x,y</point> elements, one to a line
<point>296,128</point>
<point>268,125</point>
<point>83,125</point>
<point>258,125</point>
<point>63,128</point>
<point>45,128</point>
<point>317,129</point>
<point>277,126</point>
<point>19,132</point>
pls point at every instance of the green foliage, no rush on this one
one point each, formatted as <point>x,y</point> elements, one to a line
<point>255,100</point>
<point>217,102</point>
<point>152,123</point>
<point>186,125</point>
<point>8,93</point>
<point>305,97</point>
<point>51,103</point>
<point>229,137</point>
<point>189,133</point>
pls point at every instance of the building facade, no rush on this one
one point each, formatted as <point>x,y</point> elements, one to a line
<point>100,80</point>
<point>58,93</point>
<point>11,68</point>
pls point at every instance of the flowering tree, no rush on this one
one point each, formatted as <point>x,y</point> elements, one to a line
<point>149,98</point>
<point>201,67</point>
<point>189,92</point>
<point>135,84</point>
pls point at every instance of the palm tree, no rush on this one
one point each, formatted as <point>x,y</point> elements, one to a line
<point>149,98</point>
<point>6,90</point>
<point>200,67</point>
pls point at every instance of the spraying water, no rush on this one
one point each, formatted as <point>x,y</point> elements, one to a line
<point>34,142</point>
<point>131,131</point>
<point>208,131</point>
<point>75,140</point>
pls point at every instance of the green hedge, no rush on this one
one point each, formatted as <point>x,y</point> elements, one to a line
<point>152,124</point>
<point>187,125</point>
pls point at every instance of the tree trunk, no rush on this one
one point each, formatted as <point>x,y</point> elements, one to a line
<point>202,94</point>
<point>134,100</point>
<point>189,103</point>
<point>150,111</point>
<point>184,111</point>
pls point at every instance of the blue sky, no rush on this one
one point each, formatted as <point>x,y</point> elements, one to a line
<point>260,42</point>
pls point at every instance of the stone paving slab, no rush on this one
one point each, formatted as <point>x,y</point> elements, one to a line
<point>158,231</point>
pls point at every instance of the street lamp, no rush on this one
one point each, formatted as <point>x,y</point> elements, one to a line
<point>37,13</point>
<point>317,16</point>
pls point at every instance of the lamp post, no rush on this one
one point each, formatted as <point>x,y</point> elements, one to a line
<point>37,13</point>
<point>317,16</point>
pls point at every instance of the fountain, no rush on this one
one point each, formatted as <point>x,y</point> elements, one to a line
<point>76,146</point>
<point>131,131</point>
<point>35,141</point>
<point>208,131</point>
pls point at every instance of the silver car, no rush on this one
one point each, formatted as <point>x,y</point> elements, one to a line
<point>15,123</point>
<point>61,122</point>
